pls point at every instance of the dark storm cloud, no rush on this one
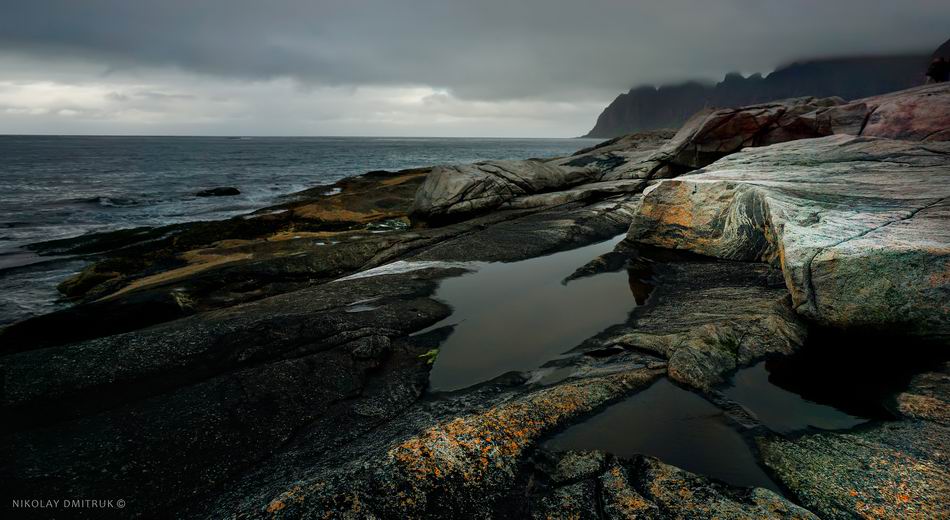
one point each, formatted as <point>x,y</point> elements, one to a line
<point>479,49</point>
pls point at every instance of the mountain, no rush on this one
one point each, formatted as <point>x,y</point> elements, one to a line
<point>647,107</point>
<point>942,51</point>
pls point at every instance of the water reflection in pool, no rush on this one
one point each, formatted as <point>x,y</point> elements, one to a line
<point>518,315</point>
<point>675,425</point>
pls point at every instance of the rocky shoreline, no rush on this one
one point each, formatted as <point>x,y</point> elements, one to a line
<point>277,364</point>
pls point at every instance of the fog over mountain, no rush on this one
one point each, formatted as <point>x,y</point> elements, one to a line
<point>420,67</point>
<point>648,107</point>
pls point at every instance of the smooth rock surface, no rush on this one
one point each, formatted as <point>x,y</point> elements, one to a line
<point>858,225</point>
<point>466,189</point>
<point>918,114</point>
<point>455,192</point>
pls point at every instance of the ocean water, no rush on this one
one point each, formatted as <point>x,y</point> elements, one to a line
<point>64,186</point>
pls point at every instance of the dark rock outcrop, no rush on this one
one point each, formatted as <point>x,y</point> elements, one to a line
<point>943,51</point>
<point>224,191</point>
<point>159,417</point>
<point>648,108</point>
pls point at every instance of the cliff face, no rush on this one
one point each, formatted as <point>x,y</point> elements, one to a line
<point>647,107</point>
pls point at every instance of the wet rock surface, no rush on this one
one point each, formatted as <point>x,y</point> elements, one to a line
<point>278,364</point>
<point>674,425</point>
<point>706,317</point>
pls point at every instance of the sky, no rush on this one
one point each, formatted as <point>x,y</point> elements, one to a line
<point>501,68</point>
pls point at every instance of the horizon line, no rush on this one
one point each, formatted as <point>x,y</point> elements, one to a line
<point>291,136</point>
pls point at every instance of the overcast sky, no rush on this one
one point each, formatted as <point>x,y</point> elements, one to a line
<point>542,68</point>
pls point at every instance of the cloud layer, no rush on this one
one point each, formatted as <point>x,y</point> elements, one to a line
<point>412,67</point>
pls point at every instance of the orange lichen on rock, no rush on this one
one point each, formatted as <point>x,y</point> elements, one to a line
<point>623,499</point>
<point>475,449</point>
<point>673,210</point>
<point>291,234</point>
<point>924,407</point>
<point>337,214</point>
<point>384,200</point>
<point>393,181</point>
<point>295,495</point>
<point>198,263</point>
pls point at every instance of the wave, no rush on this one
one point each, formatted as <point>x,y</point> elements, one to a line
<point>15,224</point>
<point>105,201</point>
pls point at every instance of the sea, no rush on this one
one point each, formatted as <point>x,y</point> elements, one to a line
<point>54,187</point>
